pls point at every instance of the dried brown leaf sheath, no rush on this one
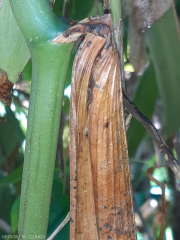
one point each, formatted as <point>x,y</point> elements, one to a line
<point>101,196</point>
<point>5,88</point>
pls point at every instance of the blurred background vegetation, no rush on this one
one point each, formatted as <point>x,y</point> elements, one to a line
<point>152,74</point>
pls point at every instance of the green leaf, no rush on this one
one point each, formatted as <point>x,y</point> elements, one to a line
<point>2,156</point>
<point>57,189</point>
<point>11,135</point>
<point>15,215</point>
<point>164,48</point>
<point>125,37</point>
<point>80,9</point>
<point>68,77</point>
<point>57,215</point>
<point>50,63</point>
<point>59,208</point>
<point>7,198</point>
<point>58,7</point>
<point>161,174</point>
<point>13,177</point>
<point>145,100</point>
<point>66,105</point>
<point>27,71</point>
<point>13,48</point>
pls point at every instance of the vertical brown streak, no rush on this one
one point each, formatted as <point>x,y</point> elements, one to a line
<point>111,182</point>
<point>127,196</point>
<point>176,19</point>
<point>111,164</point>
<point>112,95</point>
<point>85,212</point>
<point>95,133</point>
<point>117,157</point>
<point>76,81</point>
<point>73,155</point>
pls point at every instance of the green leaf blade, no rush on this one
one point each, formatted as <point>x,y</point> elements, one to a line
<point>14,52</point>
<point>164,48</point>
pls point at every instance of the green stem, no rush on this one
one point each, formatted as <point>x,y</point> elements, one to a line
<point>50,63</point>
<point>116,11</point>
<point>118,34</point>
<point>37,21</point>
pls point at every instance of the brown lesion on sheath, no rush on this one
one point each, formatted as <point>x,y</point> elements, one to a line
<point>5,88</point>
<point>100,29</point>
<point>100,26</point>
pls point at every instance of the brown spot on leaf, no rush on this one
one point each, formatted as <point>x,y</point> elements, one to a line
<point>117,230</point>
<point>109,237</point>
<point>106,225</point>
<point>100,55</point>
<point>5,88</point>
<point>89,43</point>
<point>106,125</point>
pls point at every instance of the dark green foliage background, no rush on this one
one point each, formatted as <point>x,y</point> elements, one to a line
<point>159,81</point>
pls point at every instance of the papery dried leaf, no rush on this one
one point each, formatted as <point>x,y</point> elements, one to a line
<point>108,148</point>
<point>81,184</point>
<point>101,196</point>
<point>138,56</point>
<point>147,12</point>
<point>82,209</point>
<point>5,88</point>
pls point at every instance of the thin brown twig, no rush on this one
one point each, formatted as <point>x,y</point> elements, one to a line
<point>162,210</point>
<point>145,122</point>
<point>58,229</point>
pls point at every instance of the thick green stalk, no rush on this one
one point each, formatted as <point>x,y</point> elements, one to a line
<point>50,62</point>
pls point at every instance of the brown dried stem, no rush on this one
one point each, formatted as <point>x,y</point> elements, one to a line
<point>162,209</point>
<point>145,122</point>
